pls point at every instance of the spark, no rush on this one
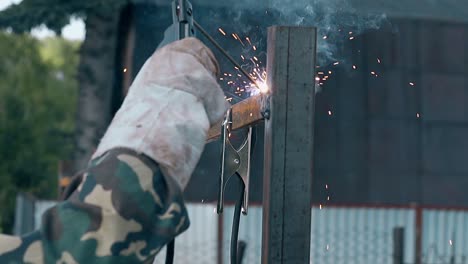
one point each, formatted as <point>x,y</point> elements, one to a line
<point>222,31</point>
<point>351,38</point>
<point>317,78</point>
<point>255,58</point>
<point>221,79</point>
<point>254,48</point>
<point>240,40</point>
<point>378,60</point>
<point>242,57</point>
<point>320,206</point>
<point>125,70</point>
<point>330,112</point>
<point>234,36</point>
<point>320,73</point>
<point>411,83</point>
<point>328,198</point>
<point>329,72</point>
<point>450,242</point>
<point>418,115</point>
<point>372,72</point>
<point>354,67</point>
<point>325,37</point>
<point>336,63</point>
<point>248,40</point>
<point>350,32</point>
<point>326,186</point>
<point>328,247</point>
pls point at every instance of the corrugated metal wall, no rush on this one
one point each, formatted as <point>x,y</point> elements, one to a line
<point>348,235</point>
<point>445,234</point>
<point>339,235</point>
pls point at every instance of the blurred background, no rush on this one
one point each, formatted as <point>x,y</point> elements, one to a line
<point>391,118</point>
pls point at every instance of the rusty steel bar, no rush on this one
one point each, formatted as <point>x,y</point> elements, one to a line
<point>244,113</point>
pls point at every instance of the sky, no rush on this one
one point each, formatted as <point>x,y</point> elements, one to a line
<point>74,31</point>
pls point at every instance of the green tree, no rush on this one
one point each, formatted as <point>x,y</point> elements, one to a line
<point>38,91</point>
<point>96,70</point>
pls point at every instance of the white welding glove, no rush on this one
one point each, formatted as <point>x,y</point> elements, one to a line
<point>169,109</point>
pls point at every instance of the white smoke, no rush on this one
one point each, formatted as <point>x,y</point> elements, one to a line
<point>334,19</point>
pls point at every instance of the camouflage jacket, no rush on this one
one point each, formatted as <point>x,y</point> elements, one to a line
<point>124,210</point>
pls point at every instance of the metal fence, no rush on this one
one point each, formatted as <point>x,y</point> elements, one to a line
<point>346,234</point>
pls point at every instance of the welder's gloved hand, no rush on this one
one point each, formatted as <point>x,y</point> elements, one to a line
<point>169,109</point>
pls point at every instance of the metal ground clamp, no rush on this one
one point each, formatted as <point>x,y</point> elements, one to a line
<point>234,162</point>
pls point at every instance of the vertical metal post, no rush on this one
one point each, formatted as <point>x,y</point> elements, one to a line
<point>289,145</point>
<point>398,245</point>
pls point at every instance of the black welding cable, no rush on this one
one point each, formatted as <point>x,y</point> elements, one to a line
<point>170,252</point>
<point>236,220</point>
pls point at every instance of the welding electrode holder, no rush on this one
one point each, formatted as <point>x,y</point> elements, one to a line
<point>234,162</point>
<point>182,23</point>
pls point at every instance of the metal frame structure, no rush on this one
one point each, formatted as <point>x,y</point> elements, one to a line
<point>288,112</point>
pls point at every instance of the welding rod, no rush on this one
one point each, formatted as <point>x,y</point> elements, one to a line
<point>224,52</point>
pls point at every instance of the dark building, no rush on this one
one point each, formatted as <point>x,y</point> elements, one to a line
<point>392,131</point>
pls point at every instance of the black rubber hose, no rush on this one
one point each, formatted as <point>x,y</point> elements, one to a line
<point>236,220</point>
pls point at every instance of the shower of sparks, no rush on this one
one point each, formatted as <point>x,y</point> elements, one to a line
<point>222,31</point>
<point>240,87</point>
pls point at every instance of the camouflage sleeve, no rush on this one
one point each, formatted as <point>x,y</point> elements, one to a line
<point>124,211</point>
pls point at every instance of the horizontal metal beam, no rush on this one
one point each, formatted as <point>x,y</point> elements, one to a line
<point>245,113</point>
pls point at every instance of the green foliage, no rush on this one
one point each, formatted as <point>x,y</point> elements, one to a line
<point>38,91</point>
<point>55,14</point>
